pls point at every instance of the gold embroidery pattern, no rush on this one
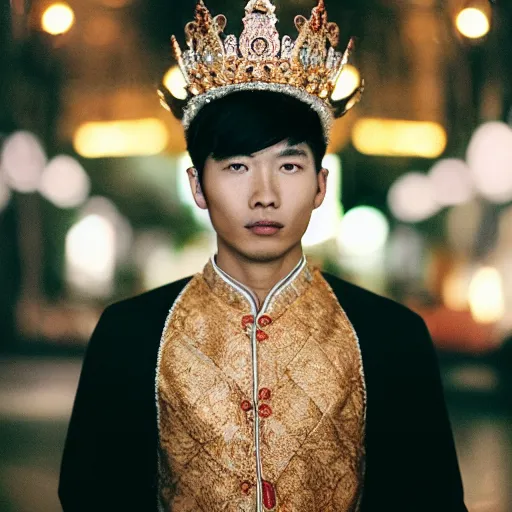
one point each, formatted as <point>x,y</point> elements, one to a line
<point>310,377</point>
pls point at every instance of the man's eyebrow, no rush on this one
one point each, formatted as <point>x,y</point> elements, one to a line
<point>285,152</point>
<point>292,152</point>
<point>241,155</point>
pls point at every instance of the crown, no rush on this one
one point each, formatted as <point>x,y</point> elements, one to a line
<point>215,64</point>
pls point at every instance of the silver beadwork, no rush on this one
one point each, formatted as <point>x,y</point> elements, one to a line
<point>320,107</point>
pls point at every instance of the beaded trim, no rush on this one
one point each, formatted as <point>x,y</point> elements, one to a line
<point>361,367</point>
<point>320,107</point>
<point>157,375</point>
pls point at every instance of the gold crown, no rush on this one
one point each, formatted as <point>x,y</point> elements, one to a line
<point>215,65</point>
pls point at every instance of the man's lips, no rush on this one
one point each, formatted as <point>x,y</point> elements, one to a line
<point>264,227</point>
<point>264,223</point>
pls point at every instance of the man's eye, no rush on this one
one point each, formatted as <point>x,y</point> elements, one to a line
<point>236,167</point>
<point>291,167</point>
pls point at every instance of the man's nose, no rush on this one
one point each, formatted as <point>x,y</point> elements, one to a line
<point>265,190</point>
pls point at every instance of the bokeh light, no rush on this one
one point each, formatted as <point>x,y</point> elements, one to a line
<point>22,161</point>
<point>105,208</point>
<point>486,296</point>
<point>121,138</point>
<point>364,230</point>
<point>64,182</point>
<point>175,83</point>
<point>95,244</point>
<point>348,81</point>
<point>91,255</point>
<point>394,137</point>
<point>58,18</point>
<point>455,288</point>
<point>472,23</point>
<point>451,182</point>
<point>489,156</point>
<point>411,198</point>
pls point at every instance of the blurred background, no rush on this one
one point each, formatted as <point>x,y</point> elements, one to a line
<point>95,207</point>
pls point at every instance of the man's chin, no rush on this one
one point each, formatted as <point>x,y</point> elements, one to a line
<point>264,254</point>
<point>266,250</point>
<point>263,257</point>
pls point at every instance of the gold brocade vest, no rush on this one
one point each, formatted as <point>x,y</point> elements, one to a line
<point>260,410</point>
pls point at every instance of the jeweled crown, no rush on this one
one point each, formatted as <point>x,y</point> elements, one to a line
<point>215,64</point>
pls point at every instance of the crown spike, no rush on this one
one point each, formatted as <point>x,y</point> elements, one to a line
<point>318,16</point>
<point>261,6</point>
<point>348,51</point>
<point>179,57</point>
<point>203,16</point>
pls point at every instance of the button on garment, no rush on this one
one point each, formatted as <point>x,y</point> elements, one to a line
<point>246,405</point>
<point>264,411</point>
<point>264,394</point>
<point>247,320</point>
<point>269,495</point>
<point>245,487</point>
<point>261,335</point>
<point>264,320</point>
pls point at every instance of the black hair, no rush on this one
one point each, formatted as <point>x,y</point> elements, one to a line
<point>245,122</point>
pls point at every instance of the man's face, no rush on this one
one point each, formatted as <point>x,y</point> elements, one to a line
<point>260,205</point>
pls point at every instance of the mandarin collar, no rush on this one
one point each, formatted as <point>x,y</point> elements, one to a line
<point>239,296</point>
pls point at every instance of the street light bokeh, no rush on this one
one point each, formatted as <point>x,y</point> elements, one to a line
<point>134,137</point>
<point>348,81</point>
<point>472,23</point>
<point>57,19</point>
<point>22,160</point>
<point>175,83</point>
<point>64,182</point>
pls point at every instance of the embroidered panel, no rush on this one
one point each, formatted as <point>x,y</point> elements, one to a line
<point>310,404</point>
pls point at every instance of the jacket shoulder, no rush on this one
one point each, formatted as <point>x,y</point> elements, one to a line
<point>128,332</point>
<point>357,301</point>
<point>155,300</point>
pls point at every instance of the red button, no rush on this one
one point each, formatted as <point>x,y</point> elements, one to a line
<point>261,336</point>
<point>247,320</point>
<point>265,394</point>
<point>246,487</point>
<point>246,405</point>
<point>264,410</point>
<point>269,495</point>
<point>264,320</point>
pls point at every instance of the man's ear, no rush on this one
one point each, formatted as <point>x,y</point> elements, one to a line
<point>322,187</point>
<point>195,187</point>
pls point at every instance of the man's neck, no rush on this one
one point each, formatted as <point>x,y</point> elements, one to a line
<point>259,277</point>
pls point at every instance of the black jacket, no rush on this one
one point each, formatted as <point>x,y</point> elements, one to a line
<point>110,456</point>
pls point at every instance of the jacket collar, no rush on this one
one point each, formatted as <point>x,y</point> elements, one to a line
<point>237,295</point>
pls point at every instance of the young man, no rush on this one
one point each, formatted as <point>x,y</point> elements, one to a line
<point>260,383</point>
